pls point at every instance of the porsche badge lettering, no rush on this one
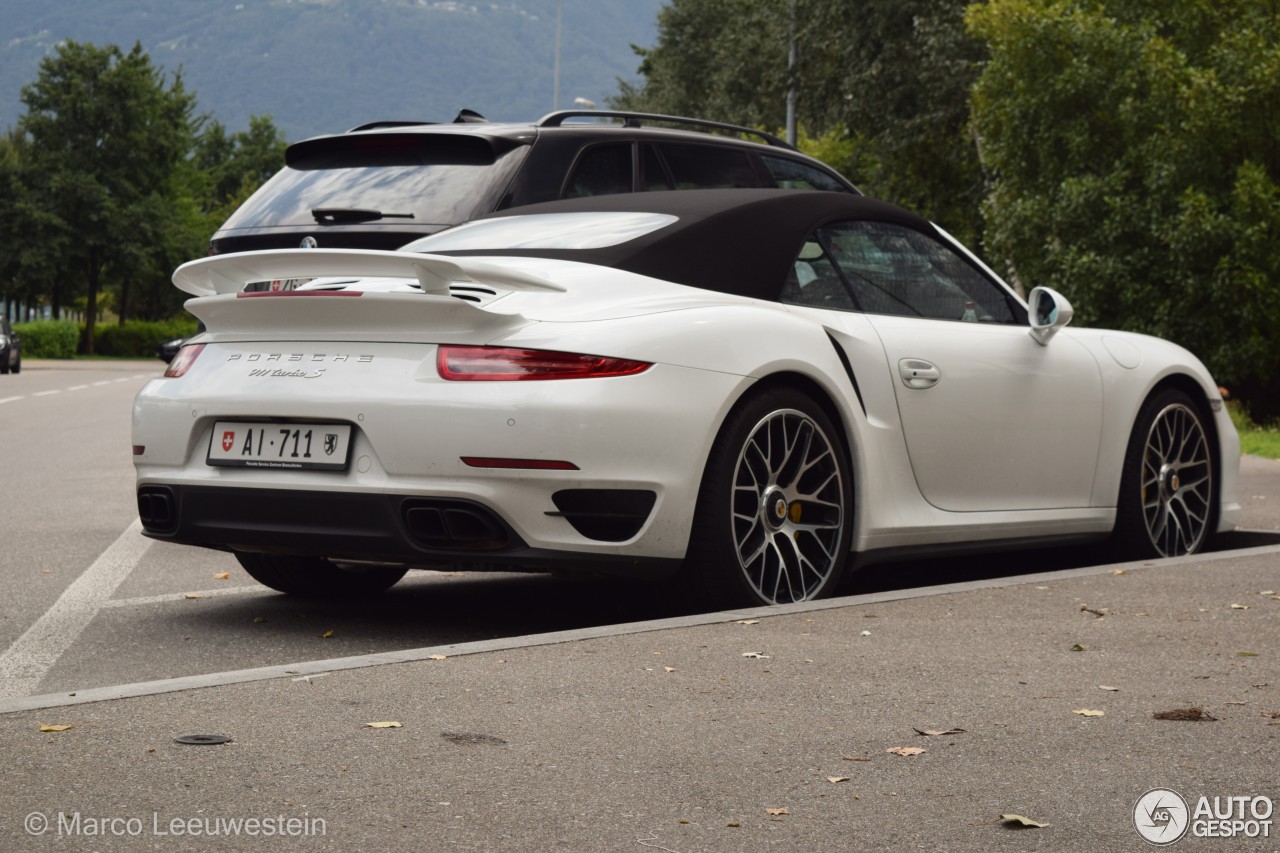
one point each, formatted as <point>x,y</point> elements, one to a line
<point>298,357</point>
<point>280,373</point>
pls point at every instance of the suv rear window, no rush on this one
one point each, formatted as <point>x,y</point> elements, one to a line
<point>411,179</point>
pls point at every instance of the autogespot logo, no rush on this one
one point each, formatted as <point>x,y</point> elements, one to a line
<point>1161,816</point>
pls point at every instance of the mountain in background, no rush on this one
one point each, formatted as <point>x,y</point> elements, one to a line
<point>322,66</point>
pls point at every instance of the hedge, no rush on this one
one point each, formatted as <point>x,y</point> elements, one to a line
<point>136,337</point>
<point>48,338</point>
<point>64,338</point>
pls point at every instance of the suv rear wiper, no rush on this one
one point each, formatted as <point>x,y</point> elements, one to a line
<point>353,214</point>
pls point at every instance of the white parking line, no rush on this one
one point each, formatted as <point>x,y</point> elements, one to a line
<point>189,596</point>
<point>10,399</point>
<point>25,663</point>
<point>47,393</point>
<point>77,387</point>
<point>103,382</point>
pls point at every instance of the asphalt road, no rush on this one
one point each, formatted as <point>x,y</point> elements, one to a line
<point>766,729</point>
<point>92,603</point>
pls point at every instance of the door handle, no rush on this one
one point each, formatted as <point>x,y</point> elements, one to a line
<point>918,373</point>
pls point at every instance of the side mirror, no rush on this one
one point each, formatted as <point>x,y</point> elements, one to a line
<point>1048,312</point>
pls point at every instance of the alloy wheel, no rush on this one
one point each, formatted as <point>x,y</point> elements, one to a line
<point>788,507</point>
<point>1177,481</point>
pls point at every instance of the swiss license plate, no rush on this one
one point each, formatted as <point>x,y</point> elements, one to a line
<point>322,447</point>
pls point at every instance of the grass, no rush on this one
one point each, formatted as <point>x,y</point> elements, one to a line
<point>1255,440</point>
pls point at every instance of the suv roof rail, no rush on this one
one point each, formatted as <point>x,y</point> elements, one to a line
<point>464,116</point>
<point>375,125</point>
<point>630,119</point>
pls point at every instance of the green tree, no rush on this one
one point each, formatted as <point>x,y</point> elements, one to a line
<point>892,77</point>
<point>105,133</point>
<point>232,166</point>
<point>1131,147</point>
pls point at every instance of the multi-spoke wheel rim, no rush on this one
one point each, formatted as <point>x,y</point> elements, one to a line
<point>788,507</point>
<point>1177,481</point>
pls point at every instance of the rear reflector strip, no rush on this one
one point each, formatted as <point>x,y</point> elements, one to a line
<point>255,294</point>
<point>525,464</point>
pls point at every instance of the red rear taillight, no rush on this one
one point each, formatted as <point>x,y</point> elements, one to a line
<point>505,364</point>
<point>183,360</point>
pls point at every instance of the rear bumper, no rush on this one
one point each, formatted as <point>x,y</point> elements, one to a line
<point>367,527</point>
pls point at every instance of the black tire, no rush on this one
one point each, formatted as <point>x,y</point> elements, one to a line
<point>4,365</point>
<point>775,509</point>
<point>17,365</point>
<point>318,578</point>
<point>1169,484</point>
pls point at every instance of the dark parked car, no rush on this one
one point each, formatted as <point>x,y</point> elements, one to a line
<point>384,184</point>
<point>10,348</point>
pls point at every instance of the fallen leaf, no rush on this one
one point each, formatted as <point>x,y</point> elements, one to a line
<point>1239,607</point>
<point>1085,712</point>
<point>1247,654</point>
<point>669,668</point>
<point>866,634</point>
<point>46,571</point>
<point>222,576</point>
<point>938,732</point>
<point>327,634</point>
<point>1096,611</point>
<point>747,622</point>
<point>755,655</point>
<point>856,757</point>
<point>1108,687</point>
<point>1021,820</point>
<point>1078,647</point>
<point>389,724</point>
<point>684,821</point>
<point>191,596</point>
<point>1195,715</point>
<point>1120,572</point>
<point>777,811</point>
<point>1267,592</point>
<point>834,779</point>
<point>905,751</point>
<point>733,823</point>
<point>48,728</point>
<point>259,619</point>
<point>1271,715</point>
<point>1235,703</point>
<point>437,657</point>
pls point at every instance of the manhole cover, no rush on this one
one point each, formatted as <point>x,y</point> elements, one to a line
<point>202,740</point>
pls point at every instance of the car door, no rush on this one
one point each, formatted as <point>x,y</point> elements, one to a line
<point>992,420</point>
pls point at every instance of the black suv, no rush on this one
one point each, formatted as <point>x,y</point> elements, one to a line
<point>10,351</point>
<point>381,185</point>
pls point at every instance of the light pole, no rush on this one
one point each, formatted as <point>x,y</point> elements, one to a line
<point>555,98</point>
<point>791,77</point>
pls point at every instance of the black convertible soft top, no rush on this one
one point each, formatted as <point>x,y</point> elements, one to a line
<point>740,241</point>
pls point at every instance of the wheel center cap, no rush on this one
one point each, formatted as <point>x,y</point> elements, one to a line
<point>774,507</point>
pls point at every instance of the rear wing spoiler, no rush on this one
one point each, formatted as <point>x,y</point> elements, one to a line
<point>434,273</point>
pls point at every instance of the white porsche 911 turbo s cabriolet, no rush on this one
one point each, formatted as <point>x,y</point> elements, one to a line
<point>744,388</point>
